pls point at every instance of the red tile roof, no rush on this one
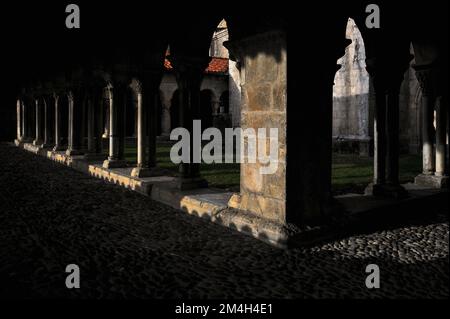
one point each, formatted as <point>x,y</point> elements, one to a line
<point>216,66</point>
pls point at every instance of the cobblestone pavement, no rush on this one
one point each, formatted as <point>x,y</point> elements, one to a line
<point>130,246</point>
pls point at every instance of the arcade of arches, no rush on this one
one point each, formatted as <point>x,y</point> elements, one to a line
<point>389,93</point>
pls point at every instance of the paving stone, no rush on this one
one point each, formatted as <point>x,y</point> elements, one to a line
<point>129,246</point>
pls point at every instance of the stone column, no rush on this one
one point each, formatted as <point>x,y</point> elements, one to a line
<point>387,75</point>
<point>107,116</point>
<point>76,99</point>
<point>379,128</point>
<point>19,115</point>
<point>189,73</point>
<point>441,136</point>
<point>425,78</point>
<point>25,120</point>
<point>147,95</point>
<point>141,169</point>
<point>48,136</point>
<point>38,137</point>
<point>433,174</point>
<point>264,106</point>
<point>58,137</point>
<point>117,96</point>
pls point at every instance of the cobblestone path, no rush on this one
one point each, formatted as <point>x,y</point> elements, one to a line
<point>129,246</point>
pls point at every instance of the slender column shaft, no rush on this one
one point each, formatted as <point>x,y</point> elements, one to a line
<point>25,133</point>
<point>141,131</point>
<point>441,132</point>
<point>19,120</point>
<point>107,118</point>
<point>57,123</point>
<point>116,123</point>
<point>189,77</point>
<point>113,137</point>
<point>38,113</point>
<point>427,134</point>
<point>75,118</point>
<point>48,137</point>
<point>380,139</point>
<point>121,119</point>
<point>392,142</point>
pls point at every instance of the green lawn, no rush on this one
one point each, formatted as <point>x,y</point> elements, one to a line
<point>351,173</point>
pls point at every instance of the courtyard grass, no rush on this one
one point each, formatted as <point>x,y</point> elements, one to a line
<point>350,173</point>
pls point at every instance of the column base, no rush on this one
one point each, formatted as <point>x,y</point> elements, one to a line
<point>18,142</point>
<point>191,183</point>
<point>148,172</point>
<point>38,143</point>
<point>386,190</point>
<point>72,152</point>
<point>432,181</point>
<point>114,163</point>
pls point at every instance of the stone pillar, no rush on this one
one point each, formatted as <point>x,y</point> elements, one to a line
<point>147,95</point>
<point>19,120</point>
<point>441,136</point>
<point>387,75</point>
<point>189,74</point>
<point>38,137</point>
<point>48,136</point>
<point>264,106</point>
<point>141,169</point>
<point>58,137</point>
<point>379,134</point>
<point>433,158</point>
<point>425,78</point>
<point>25,120</point>
<point>117,98</point>
<point>76,99</point>
<point>107,116</point>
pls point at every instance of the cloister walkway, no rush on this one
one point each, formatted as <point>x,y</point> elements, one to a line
<point>127,245</point>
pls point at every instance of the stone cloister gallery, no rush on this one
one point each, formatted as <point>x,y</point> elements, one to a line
<point>73,100</point>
